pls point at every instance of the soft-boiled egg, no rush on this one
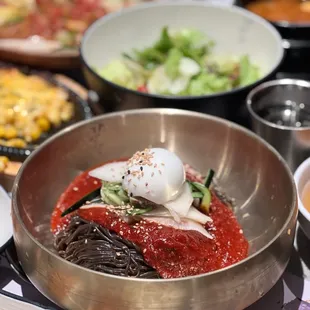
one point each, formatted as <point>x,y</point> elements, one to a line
<point>157,175</point>
<point>154,174</point>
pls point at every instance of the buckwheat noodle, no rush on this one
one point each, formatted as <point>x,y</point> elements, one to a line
<point>92,246</point>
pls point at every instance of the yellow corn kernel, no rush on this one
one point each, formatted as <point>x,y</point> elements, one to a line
<point>4,159</point>
<point>9,115</point>
<point>54,116</point>
<point>3,163</point>
<point>2,167</point>
<point>2,142</point>
<point>43,123</point>
<point>10,132</point>
<point>20,121</point>
<point>2,131</point>
<point>67,112</point>
<point>32,133</point>
<point>16,142</point>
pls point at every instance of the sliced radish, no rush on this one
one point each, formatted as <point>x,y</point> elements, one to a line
<point>112,172</point>
<point>182,203</point>
<point>94,206</point>
<point>193,214</point>
<point>197,216</point>
<point>184,224</point>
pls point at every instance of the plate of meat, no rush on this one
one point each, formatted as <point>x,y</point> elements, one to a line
<point>47,33</point>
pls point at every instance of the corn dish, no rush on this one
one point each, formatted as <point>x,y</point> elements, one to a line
<point>29,107</point>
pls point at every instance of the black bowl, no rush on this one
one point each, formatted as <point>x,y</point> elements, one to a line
<point>82,111</point>
<point>296,42</point>
<point>107,38</point>
<point>291,31</point>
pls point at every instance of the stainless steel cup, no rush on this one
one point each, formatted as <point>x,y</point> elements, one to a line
<point>280,114</point>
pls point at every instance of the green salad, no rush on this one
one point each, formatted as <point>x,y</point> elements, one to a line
<point>180,64</point>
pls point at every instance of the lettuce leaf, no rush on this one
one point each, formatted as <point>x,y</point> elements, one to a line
<point>249,73</point>
<point>173,62</point>
<point>206,83</point>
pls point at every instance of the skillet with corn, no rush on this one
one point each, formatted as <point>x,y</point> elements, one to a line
<point>29,107</point>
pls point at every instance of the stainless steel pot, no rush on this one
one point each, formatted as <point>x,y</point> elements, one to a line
<point>248,168</point>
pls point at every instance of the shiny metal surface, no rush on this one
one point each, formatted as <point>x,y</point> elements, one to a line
<point>248,169</point>
<point>280,113</point>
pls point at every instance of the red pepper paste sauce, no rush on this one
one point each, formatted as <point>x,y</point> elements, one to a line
<point>172,252</point>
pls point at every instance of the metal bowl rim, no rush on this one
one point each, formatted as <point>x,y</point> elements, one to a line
<point>160,111</point>
<point>265,85</point>
<point>235,9</point>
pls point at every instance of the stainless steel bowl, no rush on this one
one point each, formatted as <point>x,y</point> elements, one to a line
<point>247,167</point>
<point>280,114</point>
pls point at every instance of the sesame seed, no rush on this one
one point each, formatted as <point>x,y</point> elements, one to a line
<point>159,171</point>
<point>141,168</point>
<point>152,174</point>
<point>144,250</point>
<point>95,182</point>
<point>131,194</point>
<point>146,184</point>
<point>123,177</point>
<point>75,189</point>
<point>128,171</point>
<point>121,233</point>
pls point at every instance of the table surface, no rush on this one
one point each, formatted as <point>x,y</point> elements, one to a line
<point>291,292</point>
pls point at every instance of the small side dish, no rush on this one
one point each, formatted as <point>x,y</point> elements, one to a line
<point>148,217</point>
<point>302,181</point>
<point>180,63</point>
<point>30,107</point>
<point>293,11</point>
